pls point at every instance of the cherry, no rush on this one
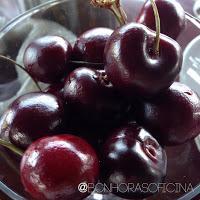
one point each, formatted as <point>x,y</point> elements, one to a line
<point>91,98</point>
<point>139,61</point>
<point>47,58</point>
<point>4,136</point>
<point>132,156</point>
<point>90,46</point>
<point>134,68</point>
<point>30,117</point>
<point>53,167</point>
<point>171,13</point>
<point>173,117</point>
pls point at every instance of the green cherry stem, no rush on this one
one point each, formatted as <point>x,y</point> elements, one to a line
<point>22,68</point>
<point>84,62</point>
<point>119,13</point>
<point>9,161</point>
<point>157,20</point>
<point>10,146</point>
<point>114,6</point>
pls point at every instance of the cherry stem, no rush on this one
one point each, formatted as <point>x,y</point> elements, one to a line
<point>9,161</point>
<point>157,20</point>
<point>119,13</point>
<point>84,62</point>
<point>21,67</point>
<point>114,6</point>
<point>10,146</point>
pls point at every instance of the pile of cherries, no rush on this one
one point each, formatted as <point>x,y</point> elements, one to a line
<point>111,107</point>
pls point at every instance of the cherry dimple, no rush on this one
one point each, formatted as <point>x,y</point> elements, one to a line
<point>128,154</point>
<point>150,148</point>
<point>172,116</point>
<point>188,93</point>
<point>129,68</point>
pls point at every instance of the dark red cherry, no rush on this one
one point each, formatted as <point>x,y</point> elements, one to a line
<point>172,17</point>
<point>91,98</point>
<point>134,68</point>
<point>46,59</point>
<point>56,89</point>
<point>90,46</point>
<point>132,157</point>
<point>53,167</point>
<point>173,117</point>
<point>32,116</point>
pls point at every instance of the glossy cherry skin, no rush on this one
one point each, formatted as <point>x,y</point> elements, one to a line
<point>91,98</point>
<point>32,116</point>
<point>90,46</point>
<point>47,58</point>
<point>132,156</point>
<point>173,117</point>
<point>172,17</point>
<point>53,167</point>
<point>133,68</point>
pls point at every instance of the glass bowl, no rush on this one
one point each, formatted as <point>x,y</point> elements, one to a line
<point>69,18</point>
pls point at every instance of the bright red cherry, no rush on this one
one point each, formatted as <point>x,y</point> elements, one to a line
<point>30,117</point>
<point>133,67</point>
<point>172,17</point>
<point>47,58</point>
<point>53,167</point>
<point>90,46</point>
<point>131,157</point>
<point>173,117</point>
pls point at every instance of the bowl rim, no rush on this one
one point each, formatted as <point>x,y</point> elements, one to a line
<point>10,24</point>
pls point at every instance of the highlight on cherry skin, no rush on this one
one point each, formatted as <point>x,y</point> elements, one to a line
<point>92,98</point>
<point>172,17</point>
<point>90,46</point>
<point>133,66</point>
<point>30,117</point>
<point>53,167</point>
<point>47,58</point>
<point>132,155</point>
<point>173,117</point>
